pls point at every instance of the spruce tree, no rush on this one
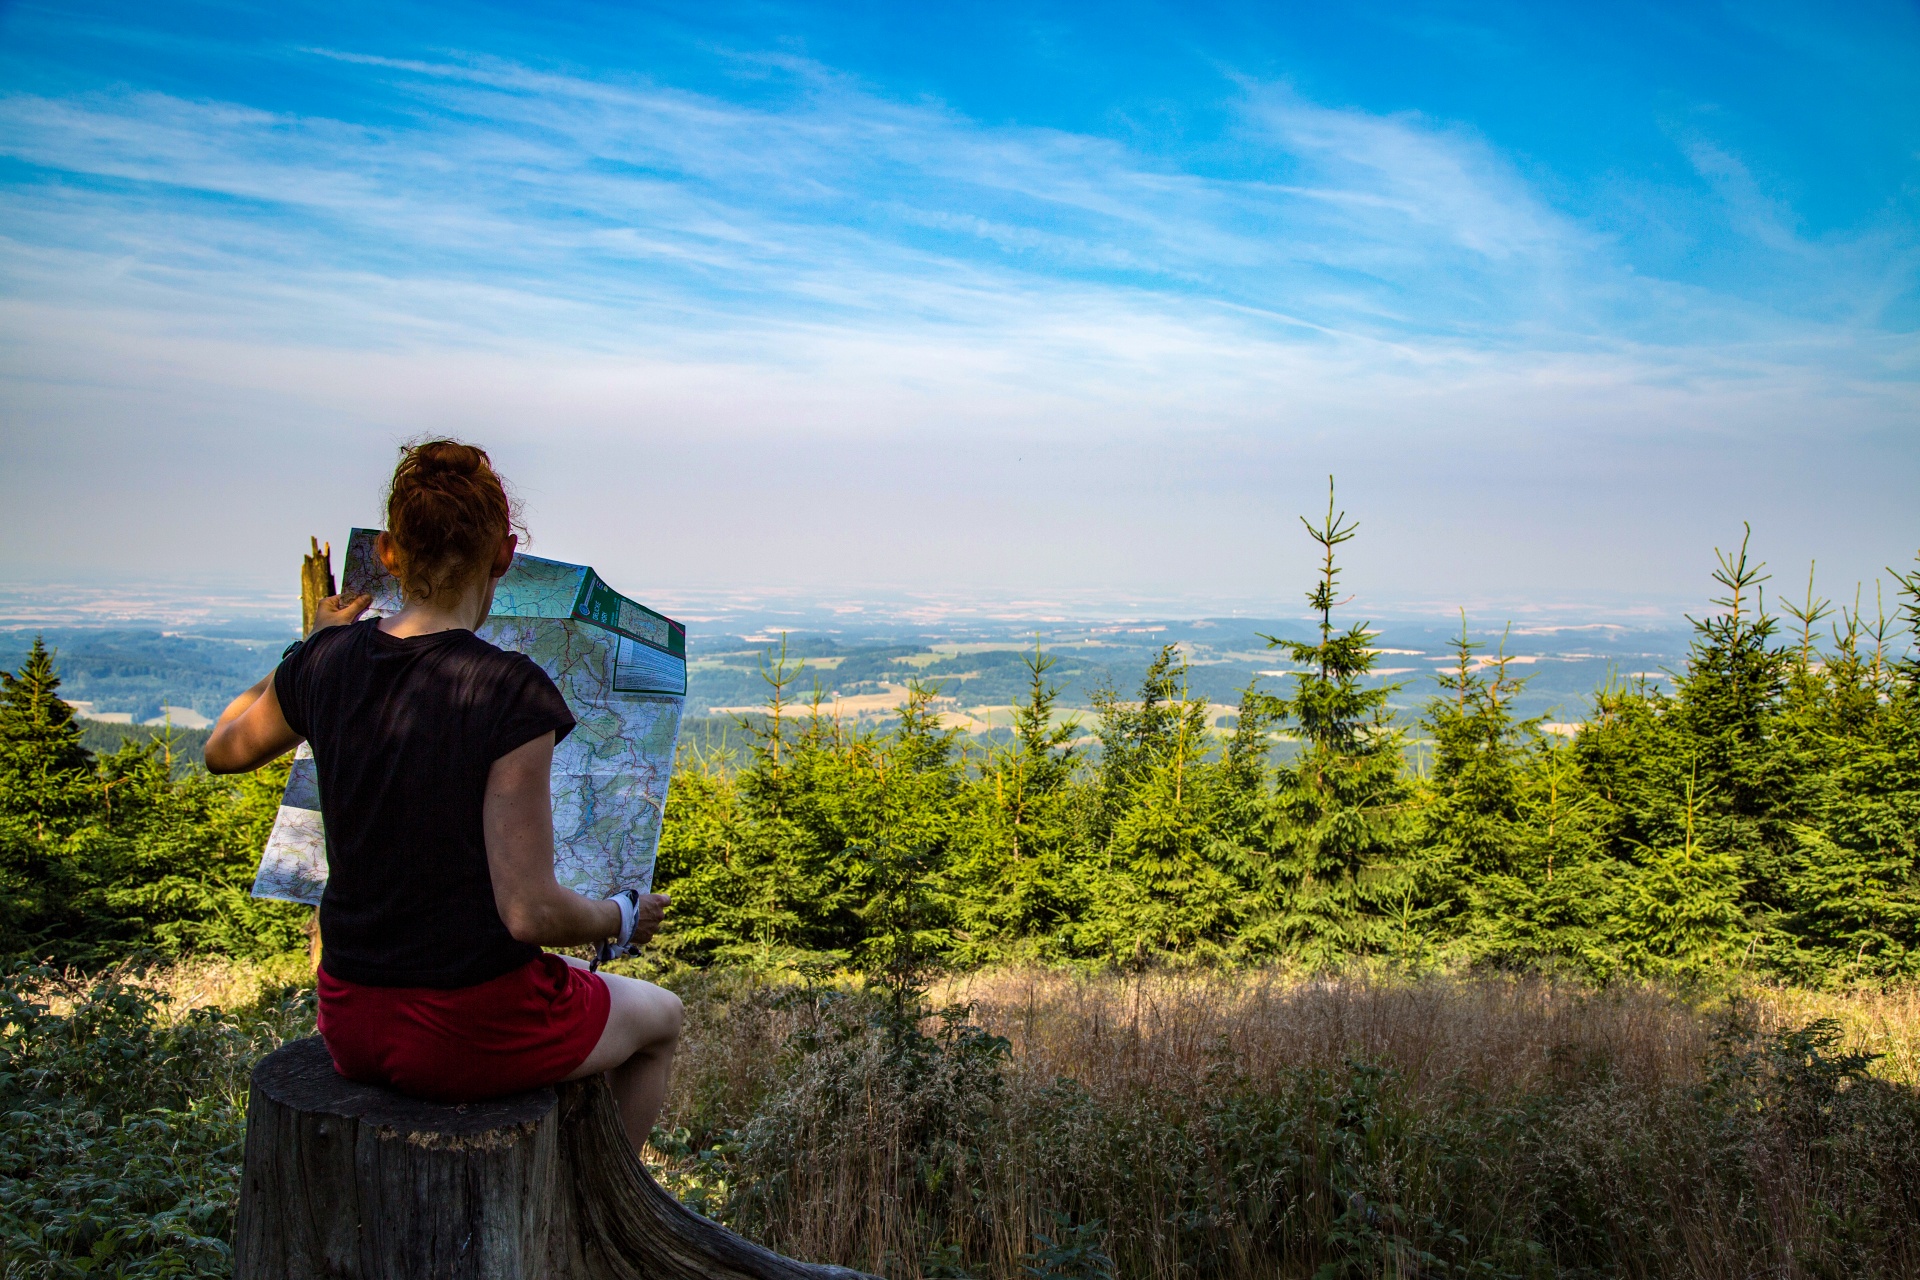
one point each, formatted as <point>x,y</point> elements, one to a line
<point>45,774</point>
<point>1633,760</point>
<point>1726,710</point>
<point>1906,667</point>
<point>902,831</point>
<point>1019,880</point>
<point>1821,703</point>
<point>1693,791</point>
<point>1042,762</point>
<point>1244,814</point>
<point>1336,872</point>
<point>1135,735</point>
<point>1550,906</point>
<point>47,794</point>
<point>1162,884</point>
<point>1852,889</point>
<point>1679,914</point>
<point>172,866</point>
<point>757,857</point>
<point>1487,853</point>
<point>1469,826</point>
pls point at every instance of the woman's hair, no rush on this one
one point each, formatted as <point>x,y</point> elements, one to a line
<point>447,510</point>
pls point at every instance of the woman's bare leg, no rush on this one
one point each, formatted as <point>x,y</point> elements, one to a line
<point>636,1050</point>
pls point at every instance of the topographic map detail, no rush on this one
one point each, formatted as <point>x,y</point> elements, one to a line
<point>610,774</point>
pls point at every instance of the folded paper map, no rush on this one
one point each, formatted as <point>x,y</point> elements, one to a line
<point>622,669</point>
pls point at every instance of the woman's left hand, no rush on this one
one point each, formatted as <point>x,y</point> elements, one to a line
<point>647,915</point>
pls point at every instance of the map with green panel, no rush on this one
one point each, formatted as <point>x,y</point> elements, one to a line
<point>622,669</point>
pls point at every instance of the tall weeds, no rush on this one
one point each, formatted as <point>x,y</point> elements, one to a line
<point>1165,1125</point>
<point>1172,1126</point>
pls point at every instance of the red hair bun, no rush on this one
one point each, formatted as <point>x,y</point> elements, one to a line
<point>447,511</point>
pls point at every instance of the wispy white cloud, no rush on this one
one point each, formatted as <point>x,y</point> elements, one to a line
<point>811,278</point>
<point>637,209</point>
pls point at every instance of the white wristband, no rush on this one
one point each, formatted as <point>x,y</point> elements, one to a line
<point>628,909</point>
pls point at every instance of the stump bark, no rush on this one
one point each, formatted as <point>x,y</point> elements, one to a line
<point>352,1181</point>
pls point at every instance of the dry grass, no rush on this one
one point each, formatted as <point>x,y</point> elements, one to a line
<point>1885,1023</point>
<point>1495,1033</point>
<point>1167,1034</point>
<point>1162,1031</point>
<point>214,982</point>
<point>1261,1124</point>
<point>1195,1125</point>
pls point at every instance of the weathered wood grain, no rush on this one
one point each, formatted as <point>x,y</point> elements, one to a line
<point>316,582</point>
<point>348,1181</point>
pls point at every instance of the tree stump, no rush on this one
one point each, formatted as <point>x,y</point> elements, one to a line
<point>357,1182</point>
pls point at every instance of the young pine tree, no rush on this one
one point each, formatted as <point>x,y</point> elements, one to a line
<point>1161,884</point>
<point>1727,714</point>
<point>1019,887</point>
<point>1336,878</point>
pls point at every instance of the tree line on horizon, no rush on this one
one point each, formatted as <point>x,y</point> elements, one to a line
<point>1761,817</point>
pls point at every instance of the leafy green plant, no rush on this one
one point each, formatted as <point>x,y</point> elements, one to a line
<point>1070,1251</point>
<point>121,1151</point>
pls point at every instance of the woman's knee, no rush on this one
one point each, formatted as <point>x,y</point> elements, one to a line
<point>669,1014</point>
<point>651,1015</point>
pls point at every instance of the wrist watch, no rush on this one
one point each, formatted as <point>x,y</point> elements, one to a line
<point>628,900</point>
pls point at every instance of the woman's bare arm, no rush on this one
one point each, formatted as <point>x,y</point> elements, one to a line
<point>253,729</point>
<point>517,819</point>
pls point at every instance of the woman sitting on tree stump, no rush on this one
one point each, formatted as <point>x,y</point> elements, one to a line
<point>433,750</point>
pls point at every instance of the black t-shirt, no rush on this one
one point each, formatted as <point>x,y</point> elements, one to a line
<point>404,731</point>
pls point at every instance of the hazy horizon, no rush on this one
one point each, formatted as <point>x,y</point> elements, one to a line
<point>207,600</point>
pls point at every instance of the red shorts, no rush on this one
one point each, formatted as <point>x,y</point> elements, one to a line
<point>523,1029</point>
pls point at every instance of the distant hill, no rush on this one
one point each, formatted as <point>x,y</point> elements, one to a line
<point>189,745</point>
<point>138,672</point>
<point>1562,667</point>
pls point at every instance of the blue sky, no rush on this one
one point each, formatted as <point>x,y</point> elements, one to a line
<point>1004,299</point>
